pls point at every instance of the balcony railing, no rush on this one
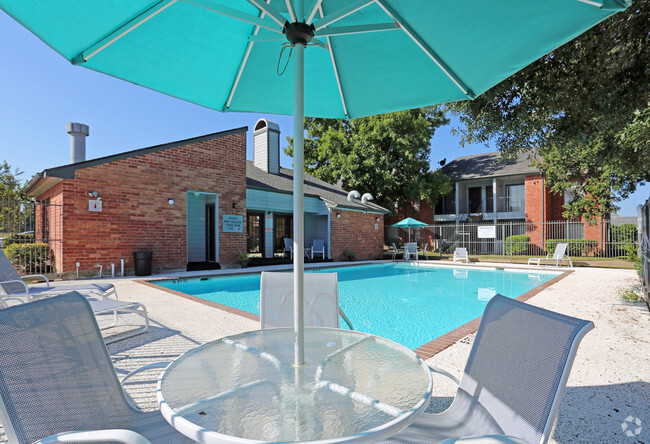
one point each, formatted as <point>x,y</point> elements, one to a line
<point>504,205</point>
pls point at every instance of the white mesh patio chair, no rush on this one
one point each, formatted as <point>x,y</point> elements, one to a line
<point>514,379</point>
<point>460,254</point>
<point>288,247</point>
<point>318,247</point>
<point>396,251</point>
<point>58,383</point>
<point>321,300</point>
<point>559,255</point>
<point>12,284</point>
<point>411,250</point>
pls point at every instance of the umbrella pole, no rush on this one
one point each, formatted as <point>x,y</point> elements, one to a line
<point>298,199</point>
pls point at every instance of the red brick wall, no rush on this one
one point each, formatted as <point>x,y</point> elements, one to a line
<point>135,212</point>
<point>355,231</point>
<point>542,205</point>
<point>50,216</point>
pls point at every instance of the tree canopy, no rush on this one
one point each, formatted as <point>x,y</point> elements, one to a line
<point>386,155</point>
<point>583,110</point>
<point>10,184</point>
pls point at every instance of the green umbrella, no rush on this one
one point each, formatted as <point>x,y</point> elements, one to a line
<point>408,223</point>
<point>364,56</point>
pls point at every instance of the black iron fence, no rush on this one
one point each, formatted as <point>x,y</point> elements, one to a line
<point>30,235</point>
<point>518,239</point>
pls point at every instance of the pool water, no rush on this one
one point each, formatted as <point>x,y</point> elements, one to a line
<point>408,304</point>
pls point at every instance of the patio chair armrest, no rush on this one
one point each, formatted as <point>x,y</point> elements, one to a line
<point>119,435</point>
<point>486,439</point>
<point>444,373</point>
<point>143,368</point>
<point>47,281</point>
<point>18,281</point>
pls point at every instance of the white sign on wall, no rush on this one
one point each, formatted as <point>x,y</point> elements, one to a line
<point>233,223</point>
<point>487,232</point>
<point>95,205</point>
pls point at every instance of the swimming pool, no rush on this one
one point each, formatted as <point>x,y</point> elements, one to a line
<point>408,304</point>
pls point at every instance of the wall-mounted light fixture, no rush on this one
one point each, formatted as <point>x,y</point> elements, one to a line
<point>171,201</point>
<point>338,214</point>
<point>94,195</point>
<point>376,219</point>
<point>234,204</point>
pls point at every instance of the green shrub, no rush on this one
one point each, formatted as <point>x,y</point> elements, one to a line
<point>577,247</point>
<point>349,255</point>
<point>34,257</point>
<point>517,244</point>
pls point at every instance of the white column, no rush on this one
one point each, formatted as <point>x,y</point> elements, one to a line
<point>494,198</point>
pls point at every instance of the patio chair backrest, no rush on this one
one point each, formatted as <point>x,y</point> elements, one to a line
<point>519,364</point>
<point>55,372</point>
<point>461,252</point>
<point>288,244</point>
<point>9,273</point>
<point>318,244</point>
<point>321,300</point>
<point>411,247</point>
<point>560,251</point>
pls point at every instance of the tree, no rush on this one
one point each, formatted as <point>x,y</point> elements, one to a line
<point>386,155</point>
<point>583,110</point>
<point>10,186</point>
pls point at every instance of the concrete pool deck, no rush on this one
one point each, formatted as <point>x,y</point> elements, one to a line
<point>610,380</point>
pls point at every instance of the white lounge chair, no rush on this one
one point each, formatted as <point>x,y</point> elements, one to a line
<point>318,247</point>
<point>13,285</point>
<point>460,254</point>
<point>396,251</point>
<point>58,382</point>
<point>321,300</point>
<point>513,381</point>
<point>411,250</point>
<point>559,255</point>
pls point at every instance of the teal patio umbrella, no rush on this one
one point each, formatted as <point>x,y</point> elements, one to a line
<point>349,58</point>
<point>409,223</point>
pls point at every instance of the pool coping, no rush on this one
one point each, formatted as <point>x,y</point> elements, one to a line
<point>425,351</point>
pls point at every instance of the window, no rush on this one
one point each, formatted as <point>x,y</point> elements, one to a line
<point>516,197</point>
<point>446,204</point>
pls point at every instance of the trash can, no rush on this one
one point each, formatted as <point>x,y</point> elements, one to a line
<point>142,261</point>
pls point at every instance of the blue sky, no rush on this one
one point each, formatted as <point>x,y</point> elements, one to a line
<point>40,92</point>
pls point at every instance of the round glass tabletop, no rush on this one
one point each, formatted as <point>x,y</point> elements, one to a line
<point>354,387</point>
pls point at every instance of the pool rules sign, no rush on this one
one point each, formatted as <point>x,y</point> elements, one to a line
<point>487,232</point>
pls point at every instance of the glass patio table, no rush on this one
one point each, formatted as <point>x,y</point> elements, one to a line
<point>355,387</point>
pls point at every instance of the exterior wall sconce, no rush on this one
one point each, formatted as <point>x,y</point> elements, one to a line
<point>171,201</point>
<point>94,195</point>
<point>234,204</point>
<point>338,214</point>
<point>376,219</point>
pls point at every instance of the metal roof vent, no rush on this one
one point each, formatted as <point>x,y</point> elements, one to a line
<point>78,133</point>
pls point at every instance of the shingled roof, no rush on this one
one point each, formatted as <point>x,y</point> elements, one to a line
<point>334,195</point>
<point>488,165</point>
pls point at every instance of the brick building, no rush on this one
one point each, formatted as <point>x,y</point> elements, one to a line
<point>490,189</point>
<point>188,202</point>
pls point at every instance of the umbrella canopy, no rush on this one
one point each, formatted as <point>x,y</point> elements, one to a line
<point>364,57</point>
<point>408,223</point>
